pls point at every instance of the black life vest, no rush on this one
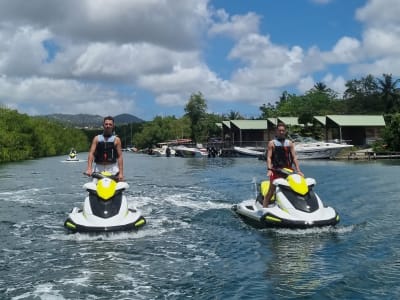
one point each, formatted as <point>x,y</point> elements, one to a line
<point>106,152</point>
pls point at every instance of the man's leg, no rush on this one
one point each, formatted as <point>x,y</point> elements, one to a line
<point>268,196</point>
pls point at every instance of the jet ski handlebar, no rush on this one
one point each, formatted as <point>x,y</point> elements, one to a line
<point>101,175</point>
<point>284,171</point>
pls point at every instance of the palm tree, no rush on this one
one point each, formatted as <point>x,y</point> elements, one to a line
<point>389,92</point>
<point>234,115</point>
<point>320,87</point>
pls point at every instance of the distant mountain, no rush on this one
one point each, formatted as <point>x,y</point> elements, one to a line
<point>126,119</point>
<point>91,121</point>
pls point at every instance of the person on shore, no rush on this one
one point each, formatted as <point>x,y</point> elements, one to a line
<point>106,152</point>
<point>280,154</point>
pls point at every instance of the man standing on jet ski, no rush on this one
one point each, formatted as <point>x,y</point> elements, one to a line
<point>106,152</point>
<point>280,154</point>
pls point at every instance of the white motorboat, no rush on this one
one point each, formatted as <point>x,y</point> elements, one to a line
<point>164,151</point>
<point>247,151</point>
<point>184,151</point>
<point>309,148</point>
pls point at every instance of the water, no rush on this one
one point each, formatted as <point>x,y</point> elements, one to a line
<point>194,246</point>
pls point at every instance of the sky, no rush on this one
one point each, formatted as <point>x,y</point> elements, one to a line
<point>147,57</point>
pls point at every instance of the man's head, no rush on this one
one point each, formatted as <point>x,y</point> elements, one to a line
<point>281,131</point>
<point>108,125</point>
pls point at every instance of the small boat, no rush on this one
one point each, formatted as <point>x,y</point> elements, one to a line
<point>184,151</point>
<point>164,150</point>
<point>247,151</point>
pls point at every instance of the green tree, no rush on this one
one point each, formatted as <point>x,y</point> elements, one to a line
<point>195,110</point>
<point>391,135</point>
<point>161,130</point>
<point>388,92</point>
<point>362,96</point>
<point>25,137</point>
<point>233,115</point>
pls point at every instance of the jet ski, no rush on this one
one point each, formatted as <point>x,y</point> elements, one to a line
<point>72,156</point>
<point>294,205</point>
<point>105,208</point>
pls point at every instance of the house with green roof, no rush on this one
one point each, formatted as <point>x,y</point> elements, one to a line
<point>355,129</point>
<point>358,130</point>
<point>249,133</point>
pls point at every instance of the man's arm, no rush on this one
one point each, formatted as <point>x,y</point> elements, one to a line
<point>295,160</point>
<point>269,157</point>
<point>120,159</point>
<point>91,156</point>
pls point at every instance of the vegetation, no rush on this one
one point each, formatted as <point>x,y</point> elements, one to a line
<point>25,137</point>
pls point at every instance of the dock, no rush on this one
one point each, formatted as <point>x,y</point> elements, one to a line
<point>368,154</point>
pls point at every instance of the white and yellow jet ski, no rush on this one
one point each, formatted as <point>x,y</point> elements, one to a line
<point>294,205</point>
<point>105,208</point>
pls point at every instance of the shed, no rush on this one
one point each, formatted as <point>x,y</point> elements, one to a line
<point>246,133</point>
<point>358,130</point>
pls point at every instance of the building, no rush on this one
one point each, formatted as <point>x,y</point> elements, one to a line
<point>355,129</point>
<point>358,130</point>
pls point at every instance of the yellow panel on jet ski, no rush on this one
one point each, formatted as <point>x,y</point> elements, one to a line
<point>264,189</point>
<point>106,188</point>
<point>298,184</point>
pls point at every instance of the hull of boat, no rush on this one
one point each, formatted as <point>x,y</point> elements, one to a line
<point>243,151</point>
<point>319,151</point>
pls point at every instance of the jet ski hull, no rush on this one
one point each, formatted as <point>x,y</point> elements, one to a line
<point>105,208</point>
<point>290,208</point>
<point>77,222</point>
<point>254,214</point>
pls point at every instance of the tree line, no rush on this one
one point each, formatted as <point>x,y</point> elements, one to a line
<point>368,95</point>
<point>25,137</point>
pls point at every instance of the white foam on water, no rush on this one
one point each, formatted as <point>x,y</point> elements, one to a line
<point>24,196</point>
<point>185,200</point>
<point>42,291</point>
<point>314,230</point>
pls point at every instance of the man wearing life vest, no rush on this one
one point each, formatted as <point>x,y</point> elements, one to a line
<point>106,152</point>
<point>280,154</point>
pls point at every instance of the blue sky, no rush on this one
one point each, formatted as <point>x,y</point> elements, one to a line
<point>146,57</point>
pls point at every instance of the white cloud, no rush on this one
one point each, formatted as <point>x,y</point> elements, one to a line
<point>346,50</point>
<point>378,13</point>
<point>67,96</point>
<point>305,84</point>
<point>236,26</point>
<point>335,83</point>
<point>158,46</point>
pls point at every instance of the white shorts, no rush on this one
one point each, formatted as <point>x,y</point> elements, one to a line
<point>112,168</point>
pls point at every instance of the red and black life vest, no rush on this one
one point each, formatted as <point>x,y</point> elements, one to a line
<point>281,156</point>
<point>106,152</point>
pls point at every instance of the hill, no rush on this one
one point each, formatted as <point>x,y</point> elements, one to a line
<point>91,121</point>
<point>126,119</point>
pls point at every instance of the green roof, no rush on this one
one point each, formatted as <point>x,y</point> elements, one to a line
<point>289,120</point>
<point>321,119</point>
<point>357,120</point>
<point>226,123</point>
<point>250,124</point>
<point>273,121</point>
